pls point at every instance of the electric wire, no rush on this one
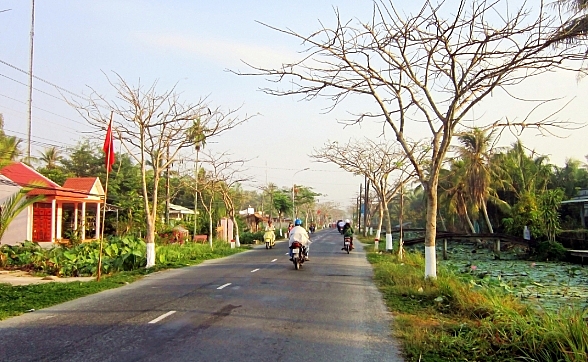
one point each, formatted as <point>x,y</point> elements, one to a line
<point>44,81</point>
<point>36,89</point>
<point>65,128</point>
<point>44,110</point>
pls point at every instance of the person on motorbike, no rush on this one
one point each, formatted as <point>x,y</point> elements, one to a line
<point>270,232</point>
<point>298,233</point>
<point>348,233</point>
<point>340,225</point>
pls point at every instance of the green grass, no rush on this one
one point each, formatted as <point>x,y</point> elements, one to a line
<point>175,256</point>
<point>453,318</point>
<point>16,300</point>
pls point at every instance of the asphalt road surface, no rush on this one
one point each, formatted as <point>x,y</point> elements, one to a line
<point>252,306</point>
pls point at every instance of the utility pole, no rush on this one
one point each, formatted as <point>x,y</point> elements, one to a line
<point>400,238</point>
<point>30,102</point>
<point>167,196</point>
<point>359,208</point>
<point>365,206</point>
<point>357,205</point>
<point>198,145</point>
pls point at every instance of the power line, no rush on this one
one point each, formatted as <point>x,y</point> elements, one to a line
<point>63,143</point>
<point>36,89</point>
<point>66,128</point>
<point>44,81</point>
<point>44,110</point>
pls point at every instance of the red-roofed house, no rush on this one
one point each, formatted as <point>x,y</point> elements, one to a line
<point>74,207</point>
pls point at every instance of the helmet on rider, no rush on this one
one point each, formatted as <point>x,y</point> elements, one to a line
<point>347,221</point>
<point>297,222</point>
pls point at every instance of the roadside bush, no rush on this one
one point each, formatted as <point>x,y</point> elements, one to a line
<point>119,254</point>
<point>248,237</point>
<point>27,255</point>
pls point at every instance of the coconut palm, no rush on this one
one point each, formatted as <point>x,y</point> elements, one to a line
<point>9,150</point>
<point>522,174</point>
<point>453,192</point>
<point>50,157</point>
<point>476,153</point>
<point>196,134</point>
<point>577,26</point>
<point>525,179</point>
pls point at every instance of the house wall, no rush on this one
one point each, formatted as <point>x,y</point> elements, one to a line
<point>17,230</point>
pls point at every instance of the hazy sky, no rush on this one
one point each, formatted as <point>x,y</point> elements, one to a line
<point>193,43</point>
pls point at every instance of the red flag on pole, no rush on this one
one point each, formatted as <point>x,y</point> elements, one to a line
<point>108,148</point>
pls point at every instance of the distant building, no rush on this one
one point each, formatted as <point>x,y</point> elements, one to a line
<point>581,200</point>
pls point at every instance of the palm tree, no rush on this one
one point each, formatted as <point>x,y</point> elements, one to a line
<point>13,206</point>
<point>577,26</point>
<point>475,152</point>
<point>525,179</point>
<point>50,157</point>
<point>196,134</point>
<point>454,192</point>
<point>9,150</point>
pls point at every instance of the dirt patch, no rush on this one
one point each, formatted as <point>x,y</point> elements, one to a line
<point>19,277</point>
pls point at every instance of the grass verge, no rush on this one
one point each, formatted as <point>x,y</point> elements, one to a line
<point>453,318</point>
<point>16,300</point>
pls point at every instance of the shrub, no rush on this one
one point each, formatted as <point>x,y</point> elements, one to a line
<point>550,250</point>
<point>248,237</point>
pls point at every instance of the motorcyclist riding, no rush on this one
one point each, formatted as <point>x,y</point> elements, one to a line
<point>270,233</point>
<point>348,233</point>
<point>298,233</point>
<point>340,225</point>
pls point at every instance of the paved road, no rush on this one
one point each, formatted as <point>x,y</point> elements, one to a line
<point>252,306</point>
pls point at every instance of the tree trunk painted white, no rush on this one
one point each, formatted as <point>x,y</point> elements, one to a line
<point>430,263</point>
<point>389,244</point>
<point>379,231</point>
<point>236,228</point>
<point>150,255</point>
<point>431,231</point>
<point>210,228</point>
<point>150,242</point>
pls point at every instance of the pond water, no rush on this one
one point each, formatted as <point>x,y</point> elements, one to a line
<point>549,285</point>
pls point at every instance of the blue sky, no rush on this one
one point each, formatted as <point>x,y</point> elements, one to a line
<point>193,43</point>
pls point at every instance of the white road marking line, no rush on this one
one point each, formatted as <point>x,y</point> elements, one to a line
<point>224,286</point>
<point>287,254</point>
<point>274,260</point>
<point>162,316</point>
<point>47,317</point>
<point>254,270</point>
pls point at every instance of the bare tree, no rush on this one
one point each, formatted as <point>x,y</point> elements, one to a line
<point>426,72</point>
<point>226,175</point>
<point>208,184</point>
<point>148,124</point>
<point>376,161</point>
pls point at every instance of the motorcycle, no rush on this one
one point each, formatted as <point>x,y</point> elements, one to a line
<point>298,254</point>
<point>270,239</point>
<point>347,244</point>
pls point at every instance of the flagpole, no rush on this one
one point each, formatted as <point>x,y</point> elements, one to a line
<point>105,197</point>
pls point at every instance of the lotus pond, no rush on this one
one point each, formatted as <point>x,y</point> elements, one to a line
<point>548,285</point>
